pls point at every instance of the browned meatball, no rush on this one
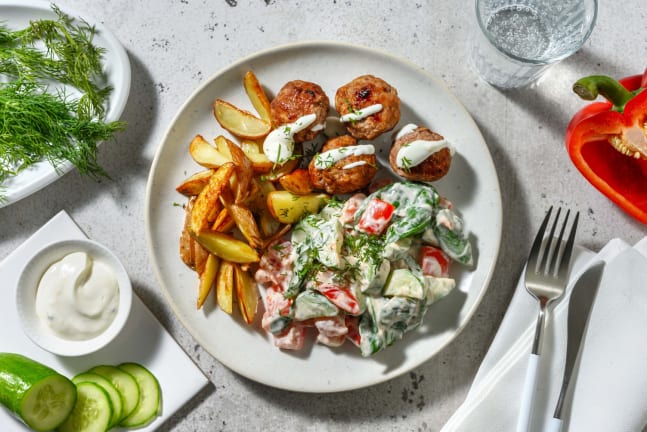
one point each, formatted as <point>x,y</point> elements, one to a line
<point>335,179</point>
<point>432,168</point>
<point>362,92</point>
<point>297,99</point>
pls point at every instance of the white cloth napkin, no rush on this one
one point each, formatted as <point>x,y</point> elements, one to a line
<point>609,385</point>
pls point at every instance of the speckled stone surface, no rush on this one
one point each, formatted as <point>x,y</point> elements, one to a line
<point>175,45</point>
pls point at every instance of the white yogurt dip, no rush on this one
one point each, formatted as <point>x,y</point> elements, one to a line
<point>77,297</point>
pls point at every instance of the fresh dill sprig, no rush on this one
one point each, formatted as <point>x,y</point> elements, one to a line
<point>38,120</point>
<point>69,57</point>
<point>36,125</point>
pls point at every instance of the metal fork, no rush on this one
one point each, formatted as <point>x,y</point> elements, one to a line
<point>546,277</point>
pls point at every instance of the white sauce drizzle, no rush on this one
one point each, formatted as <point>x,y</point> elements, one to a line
<point>416,152</point>
<point>360,114</point>
<point>328,158</point>
<point>355,164</point>
<point>279,144</point>
<point>408,128</point>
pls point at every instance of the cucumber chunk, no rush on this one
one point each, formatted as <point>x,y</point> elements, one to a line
<point>113,393</point>
<point>92,411</point>
<point>124,383</point>
<point>149,398</point>
<point>38,395</point>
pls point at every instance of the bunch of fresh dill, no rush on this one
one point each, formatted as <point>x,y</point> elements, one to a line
<point>38,120</point>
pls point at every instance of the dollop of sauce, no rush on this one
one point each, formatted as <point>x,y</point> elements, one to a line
<point>328,158</point>
<point>279,144</point>
<point>77,297</point>
<point>416,152</point>
<point>360,114</point>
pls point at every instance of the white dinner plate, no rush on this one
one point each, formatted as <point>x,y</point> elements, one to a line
<point>16,15</point>
<point>471,184</point>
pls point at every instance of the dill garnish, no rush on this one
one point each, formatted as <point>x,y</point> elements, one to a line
<point>39,120</point>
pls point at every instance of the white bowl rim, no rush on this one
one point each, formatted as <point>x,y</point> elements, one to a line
<point>27,286</point>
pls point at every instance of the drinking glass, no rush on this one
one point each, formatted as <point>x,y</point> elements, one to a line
<point>515,41</point>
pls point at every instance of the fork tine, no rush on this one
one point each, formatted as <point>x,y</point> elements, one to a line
<point>536,244</point>
<point>552,246</point>
<point>568,249</point>
<point>558,249</point>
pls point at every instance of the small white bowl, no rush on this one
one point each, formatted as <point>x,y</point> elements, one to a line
<point>28,282</point>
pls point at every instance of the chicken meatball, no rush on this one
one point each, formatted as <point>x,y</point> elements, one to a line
<point>364,92</point>
<point>297,99</point>
<point>342,166</point>
<point>419,154</point>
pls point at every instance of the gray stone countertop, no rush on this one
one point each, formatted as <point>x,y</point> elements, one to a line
<point>176,45</point>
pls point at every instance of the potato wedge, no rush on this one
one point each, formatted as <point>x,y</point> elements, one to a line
<point>187,248</point>
<point>288,208</point>
<point>225,281</point>
<point>298,182</point>
<point>279,171</point>
<point>244,172</point>
<point>239,122</point>
<point>254,151</point>
<point>243,218</point>
<point>207,278</point>
<point>203,212</point>
<point>201,256</point>
<point>247,294</point>
<point>268,225</point>
<point>224,222</point>
<point>257,96</point>
<point>226,247</point>
<point>205,154</point>
<point>221,145</point>
<point>194,184</point>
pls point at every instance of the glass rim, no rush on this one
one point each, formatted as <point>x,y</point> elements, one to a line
<point>532,61</point>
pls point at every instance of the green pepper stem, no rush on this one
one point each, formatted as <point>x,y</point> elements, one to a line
<point>589,87</point>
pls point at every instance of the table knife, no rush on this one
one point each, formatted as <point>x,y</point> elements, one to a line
<point>579,309</point>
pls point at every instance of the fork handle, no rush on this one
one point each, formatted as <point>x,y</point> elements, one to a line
<point>554,425</point>
<point>528,395</point>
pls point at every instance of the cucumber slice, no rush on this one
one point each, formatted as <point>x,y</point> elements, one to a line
<point>35,393</point>
<point>113,393</point>
<point>150,398</point>
<point>92,411</point>
<point>125,384</point>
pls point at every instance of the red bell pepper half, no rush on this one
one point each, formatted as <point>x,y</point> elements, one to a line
<point>607,141</point>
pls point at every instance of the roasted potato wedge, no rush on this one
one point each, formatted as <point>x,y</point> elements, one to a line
<point>288,208</point>
<point>201,256</point>
<point>205,154</point>
<point>187,248</point>
<point>254,151</point>
<point>227,247</point>
<point>244,172</point>
<point>247,294</point>
<point>194,184</point>
<point>257,96</point>
<point>204,208</point>
<point>298,182</point>
<point>224,222</point>
<point>239,122</point>
<point>207,278</point>
<point>225,286</point>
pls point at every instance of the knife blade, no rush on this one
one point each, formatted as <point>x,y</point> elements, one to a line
<point>580,305</point>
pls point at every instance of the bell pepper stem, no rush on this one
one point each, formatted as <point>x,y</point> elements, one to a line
<point>588,88</point>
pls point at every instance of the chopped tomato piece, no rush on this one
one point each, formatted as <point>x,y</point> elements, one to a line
<point>342,297</point>
<point>434,262</point>
<point>350,207</point>
<point>376,217</point>
<point>352,324</point>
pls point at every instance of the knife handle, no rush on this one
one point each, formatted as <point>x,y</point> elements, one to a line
<point>528,395</point>
<point>554,425</point>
